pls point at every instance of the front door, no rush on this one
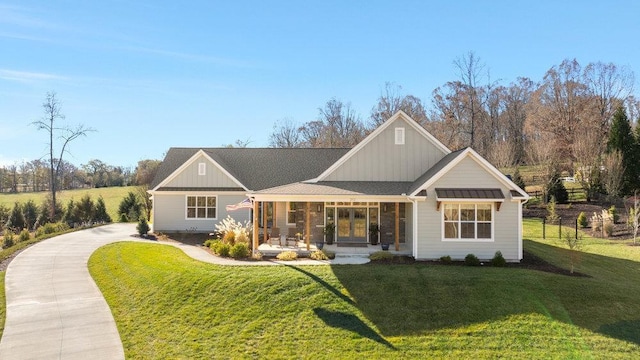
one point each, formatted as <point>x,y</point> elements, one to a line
<point>352,225</point>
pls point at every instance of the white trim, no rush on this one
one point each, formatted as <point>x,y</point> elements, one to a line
<point>414,246</point>
<point>480,161</point>
<point>191,160</point>
<point>399,115</point>
<point>325,198</point>
<point>198,192</point>
<point>520,254</point>
<point>202,169</point>
<point>475,221</point>
<point>399,136</point>
<point>186,207</point>
<point>288,210</point>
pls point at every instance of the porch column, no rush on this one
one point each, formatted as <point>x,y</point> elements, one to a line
<point>397,232</point>
<point>264,222</point>
<point>255,226</point>
<point>308,225</point>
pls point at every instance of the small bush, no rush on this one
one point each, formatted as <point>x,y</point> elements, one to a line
<point>8,239</point>
<point>222,250</point>
<point>614,214</point>
<point>229,238</point>
<point>124,218</point>
<point>257,256</point>
<point>329,254</point>
<point>608,229</point>
<point>51,228</point>
<point>318,255</point>
<point>471,260</point>
<point>24,235</point>
<point>381,255</point>
<point>552,215</point>
<point>143,227</point>
<point>287,255</point>
<point>242,237</point>
<point>582,220</point>
<point>208,242</point>
<point>239,251</point>
<point>445,259</point>
<point>498,260</point>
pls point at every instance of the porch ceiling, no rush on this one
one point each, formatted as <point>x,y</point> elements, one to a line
<point>341,188</point>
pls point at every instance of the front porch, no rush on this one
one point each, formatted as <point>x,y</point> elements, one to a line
<point>301,248</point>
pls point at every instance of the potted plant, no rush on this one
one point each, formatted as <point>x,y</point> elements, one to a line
<point>374,229</point>
<point>329,231</point>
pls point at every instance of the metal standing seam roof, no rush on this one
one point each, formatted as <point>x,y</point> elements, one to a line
<point>469,193</point>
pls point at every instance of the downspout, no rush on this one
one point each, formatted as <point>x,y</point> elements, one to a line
<point>520,250</point>
<point>414,225</point>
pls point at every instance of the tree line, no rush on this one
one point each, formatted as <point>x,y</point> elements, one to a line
<point>562,123</point>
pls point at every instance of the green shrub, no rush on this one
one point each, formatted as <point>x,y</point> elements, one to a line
<point>614,214</point>
<point>30,212</point>
<point>380,255</point>
<point>143,227</point>
<point>51,228</point>
<point>329,254</point>
<point>471,260</point>
<point>24,235</point>
<point>318,255</point>
<point>446,259</point>
<point>130,206</point>
<point>101,215</point>
<point>239,251</point>
<point>552,215</point>
<point>582,220</point>
<point>222,250</point>
<point>287,255</point>
<point>8,239</point>
<point>124,218</point>
<point>257,255</point>
<point>498,260</point>
<point>208,242</point>
<point>16,218</point>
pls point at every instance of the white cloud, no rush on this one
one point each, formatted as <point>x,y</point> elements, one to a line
<point>28,76</point>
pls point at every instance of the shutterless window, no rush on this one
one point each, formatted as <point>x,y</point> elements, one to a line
<point>291,213</point>
<point>201,207</point>
<point>467,221</point>
<point>399,136</point>
<point>202,169</point>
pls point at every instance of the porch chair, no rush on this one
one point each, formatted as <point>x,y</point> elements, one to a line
<point>292,237</point>
<point>275,234</point>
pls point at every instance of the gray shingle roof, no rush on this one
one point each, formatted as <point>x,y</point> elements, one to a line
<point>434,170</point>
<point>258,168</point>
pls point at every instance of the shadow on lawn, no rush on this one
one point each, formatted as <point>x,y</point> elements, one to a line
<point>350,322</point>
<point>413,299</point>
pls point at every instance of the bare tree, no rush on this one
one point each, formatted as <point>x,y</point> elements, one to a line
<point>515,98</point>
<point>286,134</point>
<point>588,148</point>
<point>634,217</point>
<point>343,127</point>
<point>470,69</point>
<point>612,174</point>
<point>61,133</point>
<point>502,154</point>
<point>391,101</point>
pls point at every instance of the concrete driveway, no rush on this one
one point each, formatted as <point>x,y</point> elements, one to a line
<point>54,308</point>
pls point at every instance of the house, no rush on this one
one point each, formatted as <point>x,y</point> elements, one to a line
<point>425,198</point>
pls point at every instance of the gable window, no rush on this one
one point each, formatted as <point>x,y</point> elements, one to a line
<point>400,136</point>
<point>291,213</point>
<point>202,169</point>
<point>201,207</point>
<point>467,221</point>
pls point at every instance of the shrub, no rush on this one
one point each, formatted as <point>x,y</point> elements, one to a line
<point>287,255</point>
<point>85,209</point>
<point>101,214</point>
<point>130,206</point>
<point>329,254</point>
<point>239,251</point>
<point>471,260</point>
<point>318,255</point>
<point>8,239</point>
<point>234,229</point>
<point>242,237</point>
<point>143,227</point>
<point>229,238</point>
<point>222,250</point>
<point>208,242</point>
<point>446,259</point>
<point>608,229</point>
<point>30,212</point>
<point>582,220</point>
<point>257,255</point>
<point>518,180</point>
<point>498,260</point>
<point>124,218</point>
<point>552,215</point>
<point>381,255</point>
<point>71,215</point>
<point>555,188</point>
<point>16,218</point>
<point>614,214</point>
<point>51,228</point>
<point>24,235</point>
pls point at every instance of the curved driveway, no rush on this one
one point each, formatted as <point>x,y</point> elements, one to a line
<point>54,308</point>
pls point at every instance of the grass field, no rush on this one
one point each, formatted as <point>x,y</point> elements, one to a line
<point>112,197</point>
<point>167,305</point>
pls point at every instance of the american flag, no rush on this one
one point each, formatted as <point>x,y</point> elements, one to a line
<point>244,204</point>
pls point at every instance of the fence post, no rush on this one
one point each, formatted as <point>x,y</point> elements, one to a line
<point>576,228</point>
<point>559,228</point>
<point>544,228</point>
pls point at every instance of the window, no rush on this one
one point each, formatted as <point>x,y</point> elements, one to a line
<point>467,221</point>
<point>202,169</point>
<point>399,136</point>
<point>201,207</point>
<point>291,213</point>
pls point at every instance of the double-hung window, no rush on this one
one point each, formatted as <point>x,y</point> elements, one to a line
<point>291,213</point>
<point>467,221</point>
<point>201,207</point>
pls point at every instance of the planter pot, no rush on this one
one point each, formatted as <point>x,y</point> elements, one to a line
<point>329,239</point>
<point>374,239</point>
<point>319,245</point>
<point>385,247</point>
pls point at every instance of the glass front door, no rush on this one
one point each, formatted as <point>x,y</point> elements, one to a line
<point>352,225</point>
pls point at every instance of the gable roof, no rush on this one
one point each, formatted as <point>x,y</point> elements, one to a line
<point>255,168</point>
<point>454,158</point>
<point>398,115</point>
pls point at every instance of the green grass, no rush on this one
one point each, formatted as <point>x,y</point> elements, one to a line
<point>112,197</point>
<point>167,305</point>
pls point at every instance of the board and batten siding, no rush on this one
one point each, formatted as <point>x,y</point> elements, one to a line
<point>213,177</point>
<point>468,174</point>
<point>170,212</point>
<point>382,160</point>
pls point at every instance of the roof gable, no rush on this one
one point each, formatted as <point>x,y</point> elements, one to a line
<point>379,157</point>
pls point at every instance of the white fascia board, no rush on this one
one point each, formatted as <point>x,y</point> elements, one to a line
<point>191,161</point>
<point>325,198</point>
<point>198,192</point>
<point>398,115</point>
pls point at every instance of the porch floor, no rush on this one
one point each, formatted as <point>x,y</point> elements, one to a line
<point>301,248</point>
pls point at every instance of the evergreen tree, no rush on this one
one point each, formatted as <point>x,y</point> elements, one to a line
<point>85,209</point>
<point>130,207</point>
<point>556,190</point>
<point>101,215</point>
<point>45,212</point>
<point>71,214</point>
<point>16,218</point>
<point>30,212</point>
<point>517,179</point>
<point>621,139</point>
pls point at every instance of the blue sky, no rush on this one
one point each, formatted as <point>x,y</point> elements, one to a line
<point>148,75</point>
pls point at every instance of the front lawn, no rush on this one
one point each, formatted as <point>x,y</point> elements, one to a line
<point>167,305</point>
